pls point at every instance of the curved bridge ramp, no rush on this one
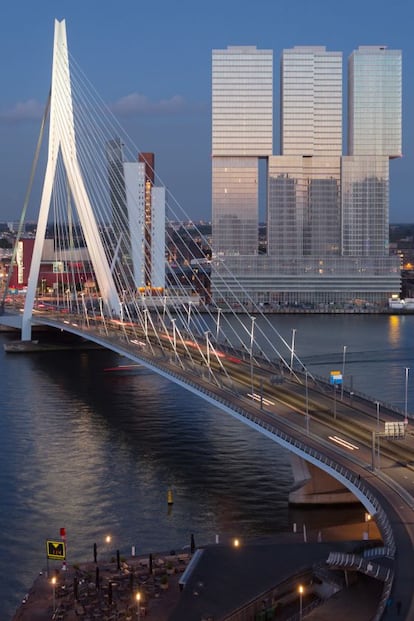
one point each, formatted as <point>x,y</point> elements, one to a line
<point>355,562</point>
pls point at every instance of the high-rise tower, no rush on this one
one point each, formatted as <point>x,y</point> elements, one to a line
<point>304,182</point>
<point>311,101</point>
<point>242,126</point>
<point>374,101</point>
<point>374,136</point>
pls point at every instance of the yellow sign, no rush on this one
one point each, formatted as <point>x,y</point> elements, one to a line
<point>56,550</point>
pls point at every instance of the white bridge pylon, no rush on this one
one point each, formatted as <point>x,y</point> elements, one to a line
<point>62,139</point>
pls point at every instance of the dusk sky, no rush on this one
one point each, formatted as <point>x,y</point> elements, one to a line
<point>150,60</point>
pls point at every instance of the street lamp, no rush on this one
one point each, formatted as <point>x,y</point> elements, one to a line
<point>53,582</point>
<point>251,351</point>
<point>368,518</point>
<point>102,314</point>
<point>377,403</point>
<point>218,324</point>
<point>292,349</point>
<point>85,310</point>
<point>343,372</point>
<point>208,352</point>
<point>146,323</point>
<point>174,337</point>
<point>301,590</point>
<point>407,370</point>
<point>307,402</point>
<point>138,599</point>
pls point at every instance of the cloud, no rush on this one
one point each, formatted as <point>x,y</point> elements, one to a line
<point>30,110</point>
<point>131,105</point>
<point>137,104</point>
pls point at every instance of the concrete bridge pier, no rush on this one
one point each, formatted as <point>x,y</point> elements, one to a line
<point>313,486</point>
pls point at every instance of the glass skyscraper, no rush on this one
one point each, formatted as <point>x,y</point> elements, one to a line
<point>242,132</point>
<point>374,136</point>
<point>304,182</point>
<point>374,102</point>
<point>311,101</point>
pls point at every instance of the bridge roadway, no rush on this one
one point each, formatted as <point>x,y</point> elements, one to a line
<point>336,435</point>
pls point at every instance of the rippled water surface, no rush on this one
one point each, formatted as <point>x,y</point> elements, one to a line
<point>96,451</point>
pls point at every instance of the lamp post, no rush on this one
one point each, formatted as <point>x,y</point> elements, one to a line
<point>218,324</point>
<point>307,402</point>
<point>343,372</point>
<point>146,323</point>
<point>407,370</point>
<point>174,337</point>
<point>189,316</point>
<point>102,314</point>
<point>108,540</point>
<point>53,581</point>
<point>368,518</point>
<point>68,302</point>
<point>292,349</point>
<point>377,403</point>
<point>208,352</point>
<point>138,600</point>
<point>251,352</point>
<point>301,589</point>
<point>85,310</point>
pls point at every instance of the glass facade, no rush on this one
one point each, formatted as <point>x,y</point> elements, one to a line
<point>311,101</point>
<point>235,205</point>
<point>305,282</point>
<point>242,102</point>
<point>242,131</point>
<point>365,198</point>
<point>374,101</point>
<point>303,206</point>
<point>327,214</point>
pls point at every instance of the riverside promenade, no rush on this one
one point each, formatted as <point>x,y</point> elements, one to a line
<point>106,591</point>
<point>214,583</point>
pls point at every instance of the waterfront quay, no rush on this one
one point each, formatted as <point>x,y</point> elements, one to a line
<point>109,589</point>
<point>260,579</point>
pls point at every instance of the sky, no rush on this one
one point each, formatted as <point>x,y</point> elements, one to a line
<point>150,61</point>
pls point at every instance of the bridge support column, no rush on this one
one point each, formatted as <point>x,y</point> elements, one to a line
<point>313,486</point>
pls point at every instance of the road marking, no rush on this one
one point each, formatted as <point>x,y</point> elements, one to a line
<point>344,443</point>
<point>257,397</point>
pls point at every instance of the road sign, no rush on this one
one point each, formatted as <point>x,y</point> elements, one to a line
<point>395,430</point>
<point>335,377</point>
<point>56,550</point>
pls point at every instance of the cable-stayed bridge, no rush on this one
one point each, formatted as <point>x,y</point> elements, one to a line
<point>98,269</point>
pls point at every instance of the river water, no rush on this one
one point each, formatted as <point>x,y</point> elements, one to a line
<point>96,451</point>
